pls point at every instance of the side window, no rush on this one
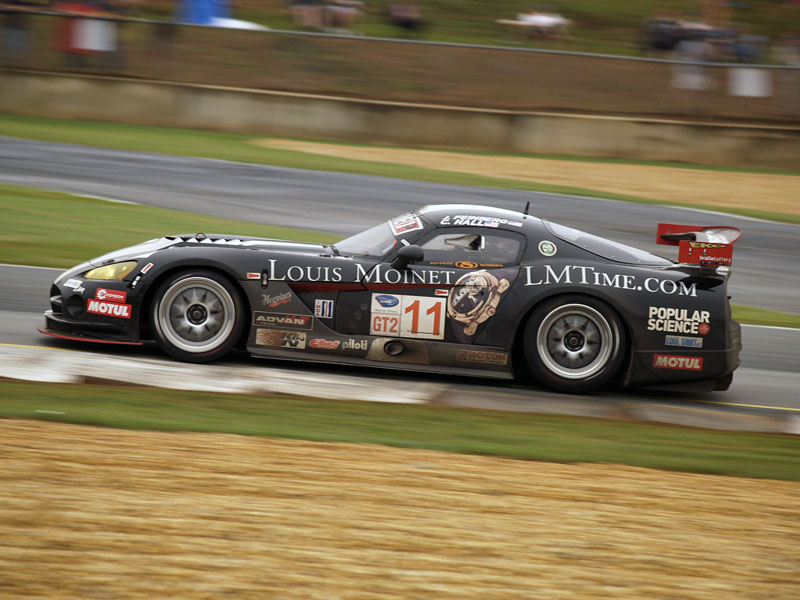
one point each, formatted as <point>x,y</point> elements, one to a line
<point>483,249</point>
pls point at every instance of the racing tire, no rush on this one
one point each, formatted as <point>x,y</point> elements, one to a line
<point>197,316</point>
<point>574,343</point>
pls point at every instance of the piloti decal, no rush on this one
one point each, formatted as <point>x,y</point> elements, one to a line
<point>678,320</point>
<point>107,295</point>
<point>283,320</point>
<point>109,309</point>
<point>683,363</point>
<point>479,356</point>
<point>586,275</point>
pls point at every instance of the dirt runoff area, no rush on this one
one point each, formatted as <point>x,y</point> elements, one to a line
<point>725,189</point>
<point>101,513</point>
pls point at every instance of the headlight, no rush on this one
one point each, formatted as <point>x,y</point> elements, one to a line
<point>111,272</point>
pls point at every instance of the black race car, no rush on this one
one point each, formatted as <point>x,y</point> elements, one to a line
<point>455,289</point>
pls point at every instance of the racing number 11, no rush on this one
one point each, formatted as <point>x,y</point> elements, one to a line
<point>434,310</point>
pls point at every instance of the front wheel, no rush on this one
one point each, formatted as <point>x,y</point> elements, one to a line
<point>574,343</point>
<point>197,316</point>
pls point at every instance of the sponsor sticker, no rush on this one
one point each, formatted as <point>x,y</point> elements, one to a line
<point>324,344</point>
<point>479,356</point>
<point>276,300</point>
<point>135,281</point>
<point>440,292</point>
<point>683,341</point>
<point>678,320</point>
<point>405,224</point>
<point>76,285</point>
<point>547,248</point>
<point>286,321</point>
<point>466,264</point>
<point>352,344</point>
<point>683,363</point>
<point>323,308</point>
<point>147,267</point>
<point>282,339</point>
<point>254,275</point>
<point>407,316</point>
<point>110,295</point>
<point>109,309</point>
<point>586,275</point>
<point>384,301</point>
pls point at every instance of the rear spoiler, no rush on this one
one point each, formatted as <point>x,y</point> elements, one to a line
<point>704,246</point>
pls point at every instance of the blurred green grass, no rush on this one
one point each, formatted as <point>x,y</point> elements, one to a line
<point>468,431</point>
<point>52,229</point>
<point>238,147</point>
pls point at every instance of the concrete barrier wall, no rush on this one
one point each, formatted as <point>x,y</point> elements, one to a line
<point>299,115</point>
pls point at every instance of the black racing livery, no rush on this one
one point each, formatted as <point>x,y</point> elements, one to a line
<point>457,289</point>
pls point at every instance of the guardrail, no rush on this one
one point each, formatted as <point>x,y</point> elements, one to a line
<point>401,70</point>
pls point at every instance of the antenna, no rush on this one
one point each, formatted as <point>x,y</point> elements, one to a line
<point>527,206</point>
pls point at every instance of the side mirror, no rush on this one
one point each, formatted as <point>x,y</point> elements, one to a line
<point>407,254</point>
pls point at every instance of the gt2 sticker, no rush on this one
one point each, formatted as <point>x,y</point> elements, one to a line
<point>284,320</point>
<point>410,316</point>
<point>109,309</point>
<point>683,363</point>
<point>585,275</point>
<point>282,339</point>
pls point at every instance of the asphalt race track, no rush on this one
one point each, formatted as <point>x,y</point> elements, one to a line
<point>766,265</point>
<point>766,259</point>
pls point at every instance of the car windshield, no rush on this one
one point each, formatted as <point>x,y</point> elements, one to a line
<point>605,248</point>
<point>375,242</point>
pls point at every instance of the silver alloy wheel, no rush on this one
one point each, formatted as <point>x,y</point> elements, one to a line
<point>196,314</point>
<point>575,341</point>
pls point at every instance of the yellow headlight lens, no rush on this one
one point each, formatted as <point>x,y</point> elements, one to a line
<point>111,272</point>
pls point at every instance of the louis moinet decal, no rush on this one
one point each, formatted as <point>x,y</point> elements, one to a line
<point>380,274</point>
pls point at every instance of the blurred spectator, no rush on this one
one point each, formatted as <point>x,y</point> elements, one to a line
<point>80,36</point>
<point>405,16</point>
<point>690,73</point>
<point>547,25</point>
<point>342,15</point>
<point>787,97</point>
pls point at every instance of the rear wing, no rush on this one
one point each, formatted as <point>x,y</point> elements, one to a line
<point>704,246</point>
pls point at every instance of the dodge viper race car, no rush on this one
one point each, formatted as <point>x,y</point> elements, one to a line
<point>454,289</point>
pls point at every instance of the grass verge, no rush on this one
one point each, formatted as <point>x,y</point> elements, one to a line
<point>238,147</point>
<point>88,227</point>
<point>762,316</point>
<point>466,431</point>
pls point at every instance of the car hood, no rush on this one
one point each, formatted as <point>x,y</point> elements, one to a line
<point>146,249</point>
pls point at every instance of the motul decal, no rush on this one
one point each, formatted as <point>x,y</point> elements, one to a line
<point>107,295</point>
<point>684,363</point>
<point>109,309</point>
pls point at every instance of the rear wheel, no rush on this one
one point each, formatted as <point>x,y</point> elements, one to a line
<point>574,343</point>
<point>197,316</point>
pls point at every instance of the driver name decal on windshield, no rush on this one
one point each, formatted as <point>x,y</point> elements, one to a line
<point>477,221</point>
